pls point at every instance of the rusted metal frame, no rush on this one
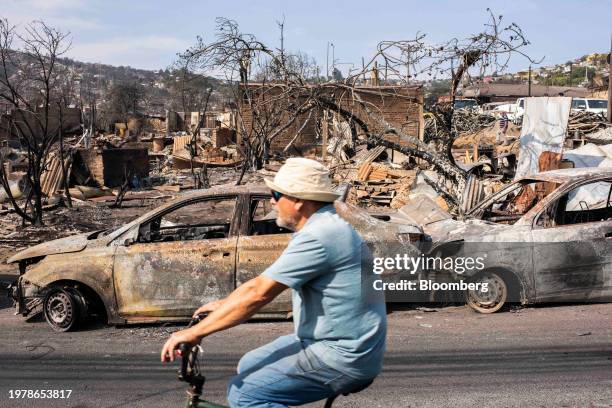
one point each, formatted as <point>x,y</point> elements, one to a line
<point>191,200</point>
<point>114,316</point>
<point>247,220</point>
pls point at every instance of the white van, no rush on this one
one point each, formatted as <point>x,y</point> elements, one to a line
<point>590,105</point>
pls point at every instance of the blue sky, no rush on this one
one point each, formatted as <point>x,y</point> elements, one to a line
<point>148,34</point>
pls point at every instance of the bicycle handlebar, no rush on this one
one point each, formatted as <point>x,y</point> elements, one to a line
<point>189,371</point>
<point>197,318</point>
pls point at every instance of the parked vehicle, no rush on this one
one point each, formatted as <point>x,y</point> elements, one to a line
<point>546,238</point>
<point>168,262</point>
<point>590,105</point>
<point>465,104</point>
<point>514,111</point>
<point>517,109</point>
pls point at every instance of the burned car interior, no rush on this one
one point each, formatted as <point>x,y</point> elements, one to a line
<point>205,219</point>
<point>591,202</point>
<point>209,219</point>
<point>511,206</point>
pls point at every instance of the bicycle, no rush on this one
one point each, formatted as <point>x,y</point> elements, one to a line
<point>189,372</point>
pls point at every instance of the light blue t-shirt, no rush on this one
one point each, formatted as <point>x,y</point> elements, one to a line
<point>344,322</point>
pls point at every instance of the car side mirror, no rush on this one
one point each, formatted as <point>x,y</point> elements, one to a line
<point>128,241</point>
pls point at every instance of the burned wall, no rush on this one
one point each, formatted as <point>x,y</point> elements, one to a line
<point>270,104</point>
<point>29,124</point>
<point>108,167</point>
<point>402,107</point>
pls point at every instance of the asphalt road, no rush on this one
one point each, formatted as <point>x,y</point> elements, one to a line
<point>559,356</point>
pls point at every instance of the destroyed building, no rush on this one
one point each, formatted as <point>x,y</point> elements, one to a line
<point>27,123</point>
<point>401,106</point>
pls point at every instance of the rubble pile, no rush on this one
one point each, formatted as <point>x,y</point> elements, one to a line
<point>601,136</point>
<point>149,167</point>
<point>470,121</point>
<point>464,121</point>
<point>377,184</point>
<point>583,122</point>
<point>374,184</point>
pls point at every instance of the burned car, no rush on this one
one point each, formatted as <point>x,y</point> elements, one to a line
<point>166,263</point>
<point>545,238</point>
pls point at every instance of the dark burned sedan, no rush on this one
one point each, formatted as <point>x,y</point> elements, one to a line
<point>162,266</point>
<point>544,238</point>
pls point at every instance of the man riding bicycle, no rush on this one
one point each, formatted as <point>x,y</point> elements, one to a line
<point>340,324</point>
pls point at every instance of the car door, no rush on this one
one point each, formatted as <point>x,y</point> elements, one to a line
<point>573,244</point>
<point>181,259</point>
<point>260,243</point>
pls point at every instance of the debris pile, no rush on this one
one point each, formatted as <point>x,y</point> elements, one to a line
<point>465,121</point>
<point>582,123</point>
<point>470,121</point>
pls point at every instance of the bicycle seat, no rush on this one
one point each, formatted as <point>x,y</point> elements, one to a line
<point>355,390</point>
<point>358,388</point>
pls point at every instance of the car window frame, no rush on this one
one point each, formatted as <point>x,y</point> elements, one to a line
<point>234,223</point>
<point>480,207</point>
<point>247,221</point>
<point>560,192</point>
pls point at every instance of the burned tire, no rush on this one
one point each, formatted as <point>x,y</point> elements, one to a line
<point>62,308</point>
<point>493,299</point>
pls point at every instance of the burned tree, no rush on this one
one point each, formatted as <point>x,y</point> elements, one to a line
<point>31,84</point>
<point>123,102</point>
<point>284,95</point>
<point>271,108</point>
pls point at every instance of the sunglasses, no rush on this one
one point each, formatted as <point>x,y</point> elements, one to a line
<point>276,195</point>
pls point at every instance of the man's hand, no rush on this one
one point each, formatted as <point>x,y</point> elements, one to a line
<point>208,307</point>
<point>183,336</point>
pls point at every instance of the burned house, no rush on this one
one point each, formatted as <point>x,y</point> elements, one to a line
<point>400,106</point>
<point>27,124</point>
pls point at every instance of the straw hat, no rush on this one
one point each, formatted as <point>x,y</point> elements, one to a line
<point>305,179</point>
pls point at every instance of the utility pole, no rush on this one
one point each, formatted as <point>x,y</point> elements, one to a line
<point>407,66</point>
<point>610,82</point>
<point>570,74</point>
<point>327,62</point>
<point>333,57</point>
<point>282,39</point>
<point>586,75</point>
<point>529,88</point>
<point>363,70</point>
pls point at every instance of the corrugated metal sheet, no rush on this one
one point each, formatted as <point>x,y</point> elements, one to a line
<point>52,179</point>
<point>181,142</point>
<point>473,193</point>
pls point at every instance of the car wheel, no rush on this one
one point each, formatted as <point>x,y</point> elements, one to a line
<point>62,308</point>
<point>493,299</point>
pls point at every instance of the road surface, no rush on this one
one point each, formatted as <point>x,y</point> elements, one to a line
<point>556,356</point>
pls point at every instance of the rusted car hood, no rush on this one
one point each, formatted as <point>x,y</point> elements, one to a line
<point>73,243</point>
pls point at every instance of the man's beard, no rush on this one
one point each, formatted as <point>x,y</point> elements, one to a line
<point>286,222</point>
